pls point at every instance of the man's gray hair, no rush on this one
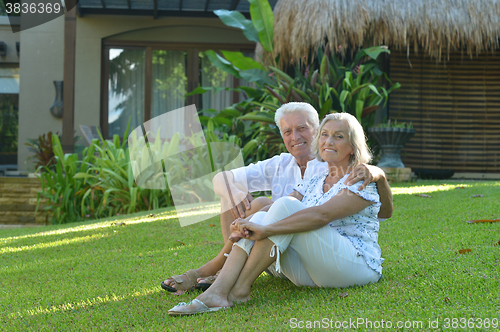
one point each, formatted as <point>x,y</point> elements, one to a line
<point>312,114</point>
<point>357,139</point>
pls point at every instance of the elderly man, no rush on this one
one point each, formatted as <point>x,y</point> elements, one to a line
<point>298,123</point>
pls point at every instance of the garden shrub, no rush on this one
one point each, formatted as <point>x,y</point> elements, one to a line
<point>102,184</point>
<point>327,83</point>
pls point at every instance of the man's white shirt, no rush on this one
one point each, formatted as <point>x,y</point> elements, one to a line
<point>279,174</point>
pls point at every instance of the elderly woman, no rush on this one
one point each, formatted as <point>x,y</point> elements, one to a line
<point>324,234</point>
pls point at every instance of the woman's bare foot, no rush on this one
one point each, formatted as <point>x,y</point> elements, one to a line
<point>238,298</point>
<point>213,300</point>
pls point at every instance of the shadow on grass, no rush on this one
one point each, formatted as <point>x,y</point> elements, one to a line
<point>146,308</point>
<point>107,277</point>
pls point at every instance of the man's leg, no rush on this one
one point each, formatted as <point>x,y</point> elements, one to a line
<point>208,269</point>
<point>226,216</point>
<point>216,295</point>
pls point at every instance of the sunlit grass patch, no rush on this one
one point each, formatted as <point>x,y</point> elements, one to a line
<point>105,274</point>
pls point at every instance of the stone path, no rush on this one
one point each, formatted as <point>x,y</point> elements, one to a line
<point>10,226</point>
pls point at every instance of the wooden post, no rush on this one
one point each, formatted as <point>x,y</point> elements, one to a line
<point>69,77</point>
<point>148,84</point>
<point>193,74</point>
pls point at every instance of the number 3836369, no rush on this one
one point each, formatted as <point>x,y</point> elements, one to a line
<point>33,8</point>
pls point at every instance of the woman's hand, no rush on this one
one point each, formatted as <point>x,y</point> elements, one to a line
<point>234,230</point>
<point>250,230</point>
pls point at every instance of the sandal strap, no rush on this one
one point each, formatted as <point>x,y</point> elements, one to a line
<point>211,279</point>
<point>183,284</point>
<point>192,276</point>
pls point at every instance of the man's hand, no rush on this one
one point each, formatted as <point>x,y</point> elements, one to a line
<point>250,230</point>
<point>235,194</point>
<point>368,173</point>
<point>234,230</point>
<point>365,173</point>
<point>238,209</point>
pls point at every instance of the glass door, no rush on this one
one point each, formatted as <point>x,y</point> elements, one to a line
<point>9,114</point>
<point>125,89</point>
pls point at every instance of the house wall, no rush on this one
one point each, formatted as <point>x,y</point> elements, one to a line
<point>41,63</point>
<point>44,63</point>
<point>9,38</point>
<point>454,106</point>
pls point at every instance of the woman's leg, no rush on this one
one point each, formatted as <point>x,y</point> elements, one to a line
<point>330,259</point>
<point>239,273</point>
<point>214,265</point>
<point>265,251</point>
<point>235,278</point>
<point>321,257</point>
<point>217,294</point>
<point>258,260</point>
<point>238,276</point>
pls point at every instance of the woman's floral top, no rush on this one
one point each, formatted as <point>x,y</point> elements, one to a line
<point>360,228</point>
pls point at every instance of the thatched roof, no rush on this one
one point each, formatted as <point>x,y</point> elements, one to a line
<point>434,26</point>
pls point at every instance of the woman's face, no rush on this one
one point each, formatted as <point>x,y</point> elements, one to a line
<point>334,146</point>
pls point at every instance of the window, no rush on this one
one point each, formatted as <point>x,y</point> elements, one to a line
<point>9,113</point>
<point>142,82</point>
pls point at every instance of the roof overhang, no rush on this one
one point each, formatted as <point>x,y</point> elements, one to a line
<point>162,8</point>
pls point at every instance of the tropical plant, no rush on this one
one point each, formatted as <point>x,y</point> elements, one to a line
<point>102,183</point>
<point>98,185</point>
<point>9,122</point>
<point>395,124</point>
<point>355,87</point>
<point>188,162</point>
<point>44,150</point>
<point>59,185</point>
<point>111,175</point>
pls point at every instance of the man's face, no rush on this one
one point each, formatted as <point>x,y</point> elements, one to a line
<point>297,134</point>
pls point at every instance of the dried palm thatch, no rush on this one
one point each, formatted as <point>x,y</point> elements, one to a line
<point>435,26</point>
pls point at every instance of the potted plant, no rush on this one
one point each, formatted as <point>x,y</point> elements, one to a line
<point>391,137</point>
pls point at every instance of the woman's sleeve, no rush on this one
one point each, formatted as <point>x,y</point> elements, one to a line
<point>369,193</point>
<point>302,186</point>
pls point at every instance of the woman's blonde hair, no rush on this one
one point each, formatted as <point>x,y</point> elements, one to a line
<point>357,139</point>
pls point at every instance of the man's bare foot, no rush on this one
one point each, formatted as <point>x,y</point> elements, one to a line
<point>183,282</point>
<point>207,280</point>
<point>170,282</point>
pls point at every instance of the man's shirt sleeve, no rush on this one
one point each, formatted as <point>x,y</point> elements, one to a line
<point>258,176</point>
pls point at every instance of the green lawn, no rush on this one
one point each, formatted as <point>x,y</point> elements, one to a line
<point>101,275</point>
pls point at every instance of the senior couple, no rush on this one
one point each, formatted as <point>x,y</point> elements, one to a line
<point>321,227</point>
